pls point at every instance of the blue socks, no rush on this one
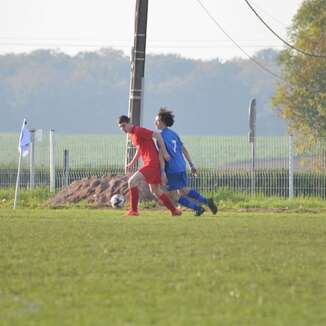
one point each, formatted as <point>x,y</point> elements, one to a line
<point>195,195</point>
<point>184,201</point>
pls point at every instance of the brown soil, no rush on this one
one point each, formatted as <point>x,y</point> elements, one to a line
<point>97,191</point>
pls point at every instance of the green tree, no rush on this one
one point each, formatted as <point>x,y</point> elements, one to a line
<point>301,96</point>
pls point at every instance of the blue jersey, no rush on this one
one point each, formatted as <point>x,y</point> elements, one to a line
<point>174,147</point>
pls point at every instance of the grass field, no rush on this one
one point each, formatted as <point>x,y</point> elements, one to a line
<point>95,267</point>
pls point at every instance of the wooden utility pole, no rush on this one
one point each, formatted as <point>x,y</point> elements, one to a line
<point>138,55</point>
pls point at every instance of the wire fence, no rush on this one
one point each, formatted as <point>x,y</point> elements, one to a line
<point>278,166</point>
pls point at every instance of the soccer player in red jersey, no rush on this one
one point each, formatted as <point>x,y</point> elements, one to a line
<point>151,171</point>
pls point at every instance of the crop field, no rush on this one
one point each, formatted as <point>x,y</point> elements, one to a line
<point>100,150</point>
<point>96,267</point>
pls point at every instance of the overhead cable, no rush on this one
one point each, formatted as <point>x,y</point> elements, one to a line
<point>282,39</point>
<point>236,44</point>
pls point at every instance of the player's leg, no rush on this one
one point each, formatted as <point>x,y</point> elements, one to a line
<point>187,202</point>
<point>174,196</point>
<point>152,175</point>
<point>178,182</point>
<point>192,193</point>
<point>164,199</point>
<point>133,183</point>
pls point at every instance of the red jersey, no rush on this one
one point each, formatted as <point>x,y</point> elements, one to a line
<point>143,139</point>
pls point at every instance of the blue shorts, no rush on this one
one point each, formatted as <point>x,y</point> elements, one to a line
<point>176,180</point>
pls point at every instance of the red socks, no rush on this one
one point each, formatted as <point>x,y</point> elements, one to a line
<point>134,197</point>
<point>167,202</point>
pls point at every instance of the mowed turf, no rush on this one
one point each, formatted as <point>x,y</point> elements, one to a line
<point>95,267</point>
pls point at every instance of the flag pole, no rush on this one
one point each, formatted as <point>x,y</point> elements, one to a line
<point>24,142</point>
<point>17,180</point>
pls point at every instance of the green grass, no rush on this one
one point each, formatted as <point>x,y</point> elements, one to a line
<point>95,267</point>
<point>34,198</point>
<point>228,200</point>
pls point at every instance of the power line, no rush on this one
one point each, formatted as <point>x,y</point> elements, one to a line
<point>73,39</point>
<point>236,44</point>
<point>269,14</point>
<point>151,46</point>
<point>104,41</point>
<point>57,42</point>
<point>280,38</point>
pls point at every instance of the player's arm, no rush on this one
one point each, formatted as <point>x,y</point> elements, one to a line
<point>162,168</point>
<point>157,136</point>
<point>188,158</point>
<point>133,161</point>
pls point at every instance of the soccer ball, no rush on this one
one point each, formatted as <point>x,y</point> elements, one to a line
<point>117,201</point>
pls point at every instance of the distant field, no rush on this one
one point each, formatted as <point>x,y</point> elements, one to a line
<point>95,267</point>
<point>101,150</point>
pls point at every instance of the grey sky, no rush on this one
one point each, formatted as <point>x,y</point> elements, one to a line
<point>174,26</point>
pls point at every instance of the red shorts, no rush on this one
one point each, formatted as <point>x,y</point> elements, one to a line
<point>152,174</point>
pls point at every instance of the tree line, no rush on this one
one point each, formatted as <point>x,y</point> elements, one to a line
<point>86,92</point>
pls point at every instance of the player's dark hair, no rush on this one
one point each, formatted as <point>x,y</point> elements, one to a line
<point>166,116</point>
<point>123,119</point>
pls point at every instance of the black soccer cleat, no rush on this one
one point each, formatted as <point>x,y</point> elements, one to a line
<point>200,211</point>
<point>212,206</point>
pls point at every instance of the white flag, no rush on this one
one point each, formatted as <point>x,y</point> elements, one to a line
<point>24,140</point>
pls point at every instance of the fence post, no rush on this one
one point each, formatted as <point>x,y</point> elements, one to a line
<point>65,168</point>
<point>32,160</point>
<point>52,161</point>
<point>253,167</point>
<point>252,141</point>
<point>291,192</point>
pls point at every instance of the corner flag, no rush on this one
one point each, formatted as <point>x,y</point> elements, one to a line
<point>24,140</point>
<point>23,148</point>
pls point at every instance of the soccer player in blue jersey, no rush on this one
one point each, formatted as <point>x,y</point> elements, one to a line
<point>176,167</point>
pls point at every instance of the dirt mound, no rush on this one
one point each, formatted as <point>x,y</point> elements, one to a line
<point>97,191</point>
